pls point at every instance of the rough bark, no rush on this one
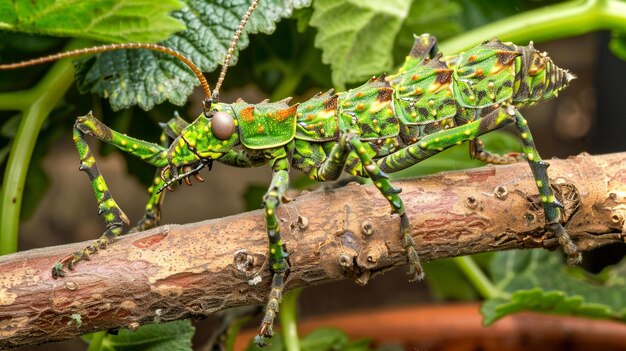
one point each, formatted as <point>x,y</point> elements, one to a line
<point>181,271</point>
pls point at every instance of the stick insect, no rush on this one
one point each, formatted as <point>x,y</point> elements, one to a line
<point>385,125</point>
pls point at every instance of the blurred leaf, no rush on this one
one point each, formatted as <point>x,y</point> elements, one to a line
<point>9,128</point>
<point>446,281</point>
<point>439,18</point>
<point>321,339</point>
<point>357,37</point>
<point>146,78</point>
<point>253,196</point>
<point>617,45</point>
<point>106,20</point>
<point>172,336</point>
<point>537,280</point>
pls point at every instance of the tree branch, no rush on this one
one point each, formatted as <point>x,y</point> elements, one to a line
<point>181,271</point>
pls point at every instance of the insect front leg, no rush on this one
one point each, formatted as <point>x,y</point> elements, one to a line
<point>277,255</point>
<point>113,216</point>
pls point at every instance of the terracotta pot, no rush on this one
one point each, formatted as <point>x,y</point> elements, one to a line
<point>458,328</point>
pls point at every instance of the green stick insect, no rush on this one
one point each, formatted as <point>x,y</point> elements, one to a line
<point>385,125</point>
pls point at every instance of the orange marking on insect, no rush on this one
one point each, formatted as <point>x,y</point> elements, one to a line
<point>247,114</point>
<point>360,107</point>
<point>309,117</point>
<point>359,94</point>
<point>284,114</point>
<point>415,77</point>
<point>479,72</point>
<point>472,58</point>
<point>260,128</point>
<point>418,91</point>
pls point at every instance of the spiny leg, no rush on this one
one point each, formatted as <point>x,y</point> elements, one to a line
<point>434,143</point>
<point>152,213</point>
<point>113,216</point>
<point>277,257</point>
<point>381,181</point>
<point>334,164</point>
<point>478,152</point>
<point>504,116</point>
<point>551,206</point>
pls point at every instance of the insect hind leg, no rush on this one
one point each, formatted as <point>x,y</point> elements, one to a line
<point>478,152</point>
<point>551,206</point>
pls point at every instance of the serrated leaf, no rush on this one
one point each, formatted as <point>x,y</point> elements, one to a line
<point>543,301</point>
<point>146,78</point>
<point>357,36</point>
<point>172,336</point>
<point>538,280</point>
<point>105,20</point>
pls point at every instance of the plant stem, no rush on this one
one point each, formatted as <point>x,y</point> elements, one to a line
<point>484,286</point>
<point>43,98</point>
<point>96,341</point>
<point>15,100</point>
<point>288,320</point>
<point>546,23</point>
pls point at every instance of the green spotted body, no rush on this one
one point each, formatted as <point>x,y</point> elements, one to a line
<point>386,125</point>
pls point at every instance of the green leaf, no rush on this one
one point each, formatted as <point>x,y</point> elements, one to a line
<point>253,196</point>
<point>446,281</point>
<point>537,280</point>
<point>357,36</point>
<point>105,20</point>
<point>146,78</point>
<point>617,45</point>
<point>322,339</point>
<point>172,336</point>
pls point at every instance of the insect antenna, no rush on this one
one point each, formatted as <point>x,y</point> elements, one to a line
<point>231,49</point>
<point>113,47</point>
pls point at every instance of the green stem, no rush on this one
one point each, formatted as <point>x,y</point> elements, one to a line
<point>288,320</point>
<point>43,98</point>
<point>546,23</point>
<point>96,341</point>
<point>15,100</point>
<point>484,286</point>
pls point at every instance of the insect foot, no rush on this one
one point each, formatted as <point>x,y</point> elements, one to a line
<point>571,251</point>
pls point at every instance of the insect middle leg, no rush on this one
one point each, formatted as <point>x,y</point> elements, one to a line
<point>506,115</point>
<point>152,212</point>
<point>277,254</point>
<point>333,166</point>
<point>113,216</point>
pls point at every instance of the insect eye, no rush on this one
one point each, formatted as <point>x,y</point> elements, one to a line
<point>222,125</point>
